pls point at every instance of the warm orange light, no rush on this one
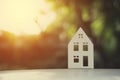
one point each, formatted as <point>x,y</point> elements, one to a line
<point>25,16</point>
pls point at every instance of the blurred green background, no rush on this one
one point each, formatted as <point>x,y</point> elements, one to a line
<point>101,21</point>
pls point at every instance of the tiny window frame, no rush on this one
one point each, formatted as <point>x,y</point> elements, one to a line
<point>85,46</point>
<point>80,35</point>
<point>76,59</point>
<point>76,46</point>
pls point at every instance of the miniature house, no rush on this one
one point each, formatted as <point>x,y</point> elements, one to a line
<point>80,51</point>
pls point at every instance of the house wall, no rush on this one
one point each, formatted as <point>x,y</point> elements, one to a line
<point>80,53</point>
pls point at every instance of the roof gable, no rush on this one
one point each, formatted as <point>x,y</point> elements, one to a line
<point>76,36</point>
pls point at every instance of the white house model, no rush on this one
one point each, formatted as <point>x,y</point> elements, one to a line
<point>80,51</point>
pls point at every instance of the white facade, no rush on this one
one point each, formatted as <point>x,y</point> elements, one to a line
<point>80,51</point>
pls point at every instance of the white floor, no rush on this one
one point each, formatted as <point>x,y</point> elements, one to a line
<point>61,74</point>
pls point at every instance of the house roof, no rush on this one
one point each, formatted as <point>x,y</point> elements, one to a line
<point>80,31</point>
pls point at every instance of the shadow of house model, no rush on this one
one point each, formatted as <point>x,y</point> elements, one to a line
<point>80,51</point>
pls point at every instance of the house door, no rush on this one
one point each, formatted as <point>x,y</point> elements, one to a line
<point>85,61</point>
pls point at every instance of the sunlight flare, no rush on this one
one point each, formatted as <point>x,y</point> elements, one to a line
<point>25,16</point>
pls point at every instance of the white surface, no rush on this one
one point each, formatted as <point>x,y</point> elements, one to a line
<point>80,53</point>
<point>61,74</point>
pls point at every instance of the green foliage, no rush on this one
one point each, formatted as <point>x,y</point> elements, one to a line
<point>110,42</point>
<point>100,20</point>
<point>98,26</point>
<point>71,31</point>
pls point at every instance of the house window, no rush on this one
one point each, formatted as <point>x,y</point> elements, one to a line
<point>80,35</point>
<point>85,60</point>
<point>76,59</point>
<point>85,46</point>
<point>76,46</point>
